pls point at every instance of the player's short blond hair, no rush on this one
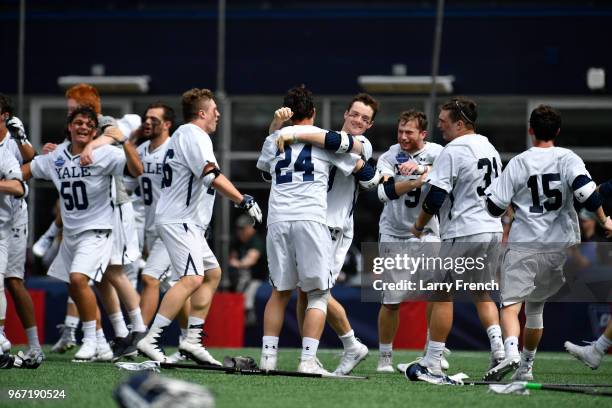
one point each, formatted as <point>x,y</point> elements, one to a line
<point>417,116</point>
<point>85,95</point>
<point>193,101</point>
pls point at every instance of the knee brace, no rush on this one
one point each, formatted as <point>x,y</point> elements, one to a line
<point>534,315</point>
<point>317,299</point>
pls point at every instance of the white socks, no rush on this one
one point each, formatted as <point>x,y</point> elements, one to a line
<point>349,342</point>
<point>527,357</point>
<point>269,345</point>
<point>72,321</point>
<point>194,321</point>
<point>385,348</point>
<point>33,337</point>
<point>309,348</point>
<point>433,357</point>
<point>160,322</point>
<point>118,323</point>
<point>136,320</point>
<point>603,344</point>
<point>89,331</point>
<point>100,338</point>
<point>495,337</point>
<point>511,347</point>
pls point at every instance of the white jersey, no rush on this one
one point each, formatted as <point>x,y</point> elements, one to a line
<point>399,215</point>
<point>9,170</point>
<point>300,177</point>
<point>189,151</point>
<point>342,194</point>
<point>206,206</point>
<point>538,184</point>
<point>20,207</point>
<point>464,169</point>
<point>150,181</point>
<point>85,192</point>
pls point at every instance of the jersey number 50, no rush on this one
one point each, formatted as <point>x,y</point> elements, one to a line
<point>75,195</point>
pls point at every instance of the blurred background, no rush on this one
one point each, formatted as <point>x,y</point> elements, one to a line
<point>509,56</point>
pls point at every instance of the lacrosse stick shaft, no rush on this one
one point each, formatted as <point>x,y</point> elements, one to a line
<point>544,384</point>
<point>233,370</point>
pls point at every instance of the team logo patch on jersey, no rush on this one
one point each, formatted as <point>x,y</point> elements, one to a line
<point>59,162</point>
<point>401,158</point>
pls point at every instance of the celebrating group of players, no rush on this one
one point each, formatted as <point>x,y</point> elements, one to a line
<point>430,193</point>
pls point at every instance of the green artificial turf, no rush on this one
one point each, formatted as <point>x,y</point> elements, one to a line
<point>91,384</point>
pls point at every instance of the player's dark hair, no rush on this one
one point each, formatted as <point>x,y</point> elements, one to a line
<point>462,109</point>
<point>86,111</point>
<point>545,122</point>
<point>419,117</point>
<point>6,105</point>
<point>193,101</point>
<point>299,100</point>
<point>168,114</point>
<point>367,100</point>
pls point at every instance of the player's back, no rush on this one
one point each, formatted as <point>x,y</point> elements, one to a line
<point>189,150</point>
<point>465,168</point>
<point>300,177</point>
<point>543,197</point>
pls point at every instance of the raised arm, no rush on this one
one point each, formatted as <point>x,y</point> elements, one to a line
<point>333,141</point>
<point>133,162</point>
<point>17,130</point>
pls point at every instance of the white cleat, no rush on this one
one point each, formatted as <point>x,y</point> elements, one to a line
<point>496,357</point>
<point>498,372</point>
<point>43,244</point>
<point>87,352</point>
<point>313,366</point>
<point>66,341</point>
<point>351,358</point>
<point>385,363</point>
<point>103,352</point>
<point>177,357</point>
<point>444,362</point>
<point>5,344</point>
<point>35,354</point>
<point>589,355</point>
<point>149,345</point>
<point>523,373</point>
<point>268,362</point>
<point>192,347</point>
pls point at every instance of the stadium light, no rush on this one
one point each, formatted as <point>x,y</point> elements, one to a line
<point>116,84</point>
<point>405,83</point>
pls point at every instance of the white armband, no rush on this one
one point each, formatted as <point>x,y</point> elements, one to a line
<point>584,192</point>
<point>345,143</point>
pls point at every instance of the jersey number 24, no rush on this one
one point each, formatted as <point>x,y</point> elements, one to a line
<point>303,163</point>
